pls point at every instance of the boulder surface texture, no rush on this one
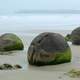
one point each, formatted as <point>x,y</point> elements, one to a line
<point>48,49</point>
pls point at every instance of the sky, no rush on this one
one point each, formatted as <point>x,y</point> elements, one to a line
<point>17,23</point>
<point>8,6</point>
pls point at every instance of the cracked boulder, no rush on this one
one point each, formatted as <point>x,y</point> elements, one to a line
<point>48,49</point>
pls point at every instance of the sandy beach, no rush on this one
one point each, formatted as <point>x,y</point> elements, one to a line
<point>54,72</point>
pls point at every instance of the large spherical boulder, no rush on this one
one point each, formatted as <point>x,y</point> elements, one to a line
<point>48,49</point>
<point>9,42</point>
<point>75,36</point>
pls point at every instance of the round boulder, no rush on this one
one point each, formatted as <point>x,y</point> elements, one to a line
<point>9,42</point>
<point>48,49</point>
<point>75,36</point>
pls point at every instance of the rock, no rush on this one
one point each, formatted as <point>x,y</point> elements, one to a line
<point>48,49</point>
<point>68,37</point>
<point>6,67</point>
<point>17,66</point>
<point>75,36</point>
<point>9,42</point>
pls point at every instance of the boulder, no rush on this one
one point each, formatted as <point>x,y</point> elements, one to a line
<point>9,42</point>
<point>48,49</point>
<point>75,36</point>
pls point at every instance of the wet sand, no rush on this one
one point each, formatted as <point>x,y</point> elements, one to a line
<point>54,72</point>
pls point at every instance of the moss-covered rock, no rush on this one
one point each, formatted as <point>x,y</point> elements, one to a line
<point>68,37</point>
<point>9,42</point>
<point>49,49</point>
<point>75,36</point>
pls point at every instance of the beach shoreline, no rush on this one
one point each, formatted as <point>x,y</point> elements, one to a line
<point>53,72</point>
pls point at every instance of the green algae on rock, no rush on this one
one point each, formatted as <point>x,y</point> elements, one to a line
<point>49,49</point>
<point>74,73</point>
<point>9,42</point>
<point>68,37</point>
<point>75,36</point>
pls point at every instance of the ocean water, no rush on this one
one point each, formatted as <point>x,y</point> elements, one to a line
<point>25,22</point>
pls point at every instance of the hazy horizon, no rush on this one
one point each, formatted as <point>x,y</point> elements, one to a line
<point>39,21</point>
<point>60,11</point>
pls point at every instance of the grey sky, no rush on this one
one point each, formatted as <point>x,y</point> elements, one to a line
<point>14,5</point>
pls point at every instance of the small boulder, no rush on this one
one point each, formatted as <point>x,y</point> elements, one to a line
<point>17,66</point>
<point>9,42</point>
<point>48,49</point>
<point>6,67</point>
